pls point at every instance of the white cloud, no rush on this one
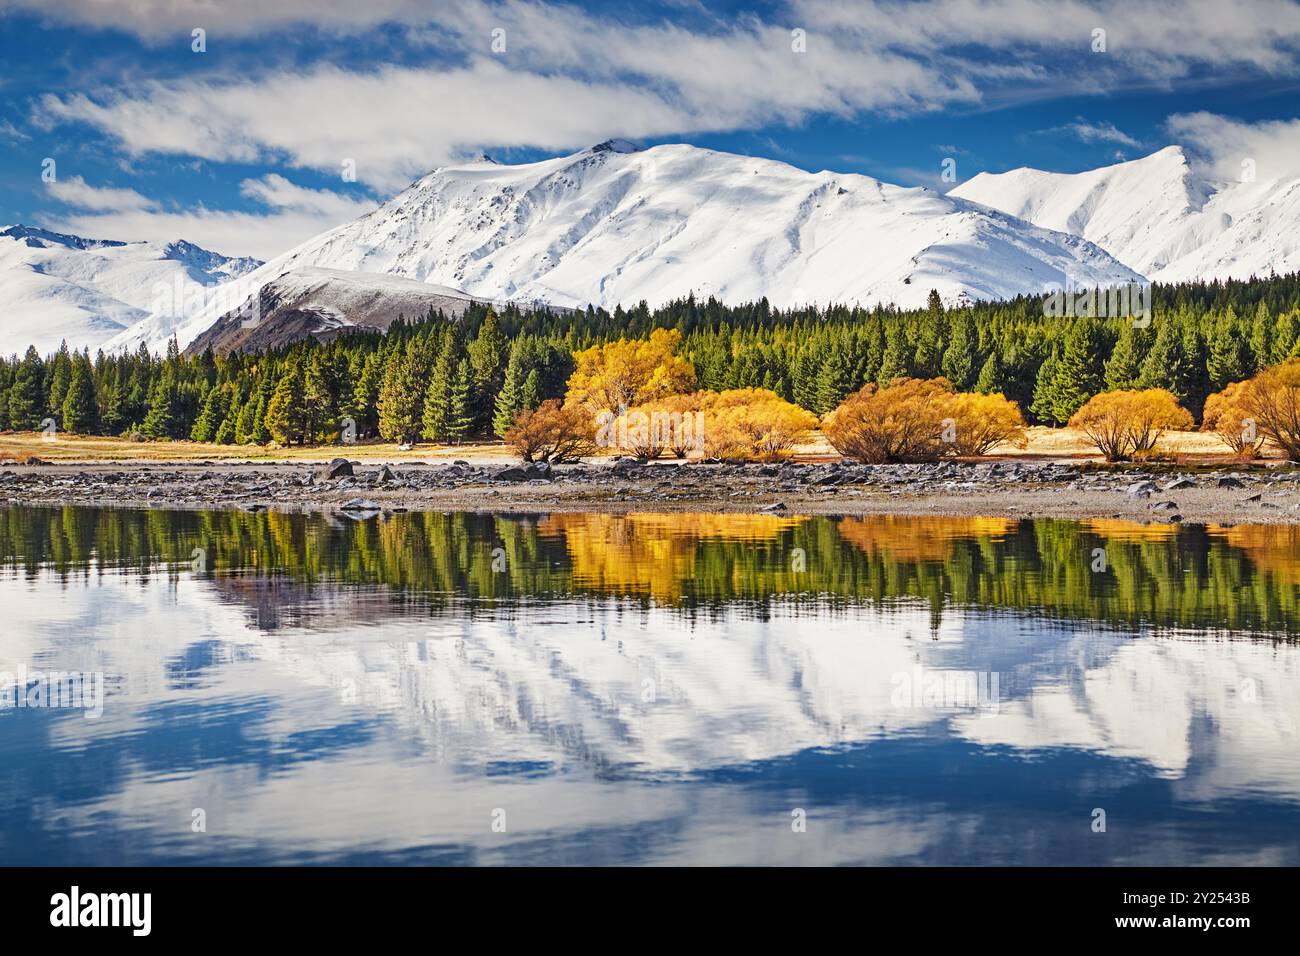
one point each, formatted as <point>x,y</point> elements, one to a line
<point>1219,145</point>
<point>1156,37</point>
<point>569,78</point>
<point>159,20</point>
<point>1102,131</point>
<point>1151,40</point>
<point>11,132</point>
<point>297,214</point>
<point>276,192</point>
<point>77,192</point>
<point>395,123</point>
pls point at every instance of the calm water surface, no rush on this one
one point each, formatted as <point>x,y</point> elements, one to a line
<point>648,689</point>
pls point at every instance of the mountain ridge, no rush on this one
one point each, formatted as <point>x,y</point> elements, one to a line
<point>616,224</point>
<point>57,286</point>
<point>1157,216</point>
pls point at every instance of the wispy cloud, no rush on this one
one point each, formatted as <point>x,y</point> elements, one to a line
<point>11,132</point>
<point>1224,148</point>
<point>76,192</point>
<point>1087,131</point>
<point>564,77</point>
<point>293,214</point>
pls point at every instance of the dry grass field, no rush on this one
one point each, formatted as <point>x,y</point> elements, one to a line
<point>1044,443</point>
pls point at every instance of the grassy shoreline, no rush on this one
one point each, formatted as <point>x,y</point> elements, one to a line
<point>1065,444</point>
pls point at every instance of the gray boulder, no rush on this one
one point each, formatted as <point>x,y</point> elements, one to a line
<point>513,473</point>
<point>337,468</point>
<point>1141,489</point>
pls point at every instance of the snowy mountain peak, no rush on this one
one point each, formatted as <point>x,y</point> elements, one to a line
<point>55,286</point>
<point>209,265</point>
<point>616,146</point>
<point>615,224</point>
<point>36,238</point>
<point>1157,216</point>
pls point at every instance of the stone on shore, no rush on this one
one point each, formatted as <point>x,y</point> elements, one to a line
<point>337,468</point>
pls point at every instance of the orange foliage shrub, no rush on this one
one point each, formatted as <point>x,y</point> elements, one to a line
<point>749,423</point>
<point>1226,415</point>
<point>914,420</point>
<point>673,424</point>
<point>752,423</point>
<point>1272,399</point>
<point>553,432</point>
<point>902,422</point>
<point>982,422</point>
<point>1123,424</point>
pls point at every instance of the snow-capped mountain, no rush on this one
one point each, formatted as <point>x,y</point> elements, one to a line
<point>88,291</point>
<point>320,304</point>
<point>1157,216</point>
<point>615,224</point>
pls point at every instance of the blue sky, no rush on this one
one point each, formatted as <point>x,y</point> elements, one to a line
<point>243,147</point>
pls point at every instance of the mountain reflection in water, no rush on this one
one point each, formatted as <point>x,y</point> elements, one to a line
<point>650,688</point>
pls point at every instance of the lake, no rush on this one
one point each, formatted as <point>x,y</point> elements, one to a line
<point>227,687</point>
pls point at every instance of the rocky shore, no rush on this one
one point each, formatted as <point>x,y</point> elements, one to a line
<point>1002,488</point>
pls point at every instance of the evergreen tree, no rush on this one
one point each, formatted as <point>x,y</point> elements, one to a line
<point>320,398</point>
<point>1194,386</point>
<point>1044,402</point>
<point>1286,336</point>
<point>804,378</point>
<point>1229,356</point>
<point>27,394</point>
<point>80,413</point>
<point>59,376</point>
<point>1125,363</point>
<point>1079,371</point>
<point>112,413</point>
<point>1261,337</point>
<point>365,394</point>
<point>261,433</point>
<point>215,409</point>
<point>286,414</point>
<point>961,359</point>
<point>532,391</point>
<point>993,374</point>
<point>835,381</point>
<point>164,419</point>
<point>1168,364</point>
<point>440,398</point>
<point>246,422</point>
<point>510,399</point>
<point>487,356</point>
<point>460,406</point>
<point>928,354</point>
<point>401,396</point>
<point>894,364</point>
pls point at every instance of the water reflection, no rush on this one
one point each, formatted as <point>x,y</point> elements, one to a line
<point>649,689</point>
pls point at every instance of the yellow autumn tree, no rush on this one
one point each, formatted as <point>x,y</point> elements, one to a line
<point>1272,400</point>
<point>1124,424</point>
<point>914,420</point>
<point>1226,415</point>
<point>672,424</point>
<point>621,375</point>
<point>982,422</point>
<point>903,422</point>
<point>752,423</point>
